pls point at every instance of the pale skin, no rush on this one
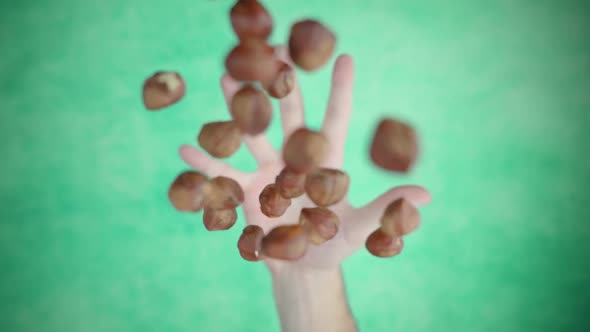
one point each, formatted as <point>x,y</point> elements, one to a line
<point>309,292</point>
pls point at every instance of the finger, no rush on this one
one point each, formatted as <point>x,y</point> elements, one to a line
<point>292,115</point>
<point>337,118</point>
<point>211,167</point>
<point>258,145</point>
<point>367,219</point>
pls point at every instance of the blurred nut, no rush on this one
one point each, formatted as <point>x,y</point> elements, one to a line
<point>394,146</point>
<point>252,60</point>
<point>250,19</point>
<point>283,82</point>
<point>311,44</point>
<point>250,243</point>
<point>305,150</point>
<point>220,139</point>
<point>400,218</point>
<point>380,244</point>
<point>219,220</point>
<point>189,191</point>
<point>251,110</point>
<point>272,204</point>
<point>327,186</point>
<point>287,242</point>
<point>225,193</point>
<point>321,224</point>
<point>162,89</point>
<point>290,184</point>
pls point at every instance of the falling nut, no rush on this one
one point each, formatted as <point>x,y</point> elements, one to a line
<point>225,193</point>
<point>162,89</point>
<point>251,110</point>
<point>188,191</point>
<point>321,224</point>
<point>219,220</point>
<point>380,244</point>
<point>305,150</point>
<point>311,44</point>
<point>272,204</point>
<point>394,146</point>
<point>283,82</point>
<point>327,186</point>
<point>220,139</point>
<point>250,243</point>
<point>250,19</point>
<point>400,218</point>
<point>252,60</point>
<point>287,242</point>
<point>291,184</point>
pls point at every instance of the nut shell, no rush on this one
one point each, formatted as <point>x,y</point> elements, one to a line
<point>305,150</point>
<point>251,110</point>
<point>220,139</point>
<point>162,89</point>
<point>311,44</point>
<point>395,146</point>
<point>188,192</point>
<point>327,186</point>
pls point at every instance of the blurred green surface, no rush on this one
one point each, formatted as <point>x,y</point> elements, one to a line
<point>499,90</point>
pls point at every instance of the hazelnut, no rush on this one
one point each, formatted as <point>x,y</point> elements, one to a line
<point>321,224</point>
<point>272,204</point>
<point>250,19</point>
<point>305,150</point>
<point>283,82</point>
<point>250,243</point>
<point>220,139</point>
<point>287,242</point>
<point>394,146</point>
<point>162,89</point>
<point>224,193</point>
<point>251,110</point>
<point>400,218</point>
<point>219,220</point>
<point>327,186</point>
<point>380,244</point>
<point>252,60</point>
<point>290,183</point>
<point>189,191</point>
<point>311,44</point>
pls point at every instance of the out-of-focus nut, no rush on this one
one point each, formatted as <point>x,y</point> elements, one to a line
<point>272,204</point>
<point>224,193</point>
<point>283,82</point>
<point>219,220</point>
<point>380,244</point>
<point>220,139</point>
<point>253,60</point>
<point>162,89</point>
<point>394,146</point>
<point>321,224</point>
<point>250,19</point>
<point>287,242</point>
<point>291,184</point>
<point>189,191</point>
<point>305,150</point>
<point>400,218</point>
<point>250,243</point>
<point>327,186</point>
<point>251,110</point>
<point>311,44</point>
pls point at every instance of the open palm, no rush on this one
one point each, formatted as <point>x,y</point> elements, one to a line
<point>356,223</point>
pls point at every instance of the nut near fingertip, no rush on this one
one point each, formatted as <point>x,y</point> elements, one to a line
<point>311,44</point>
<point>400,218</point>
<point>249,19</point>
<point>290,183</point>
<point>225,193</point>
<point>219,220</point>
<point>327,186</point>
<point>394,146</point>
<point>162,89</point>
<point>253,60</point>
<point>251,110</point>
<point>250,243</point>
<point>189,191</point>
<point>272,204</point>
<point>380,244</point>
<point>283,82</point>
<point>321,224</point>
<point>288,242</point>
<point>220,139</point>
<point>305,150</point>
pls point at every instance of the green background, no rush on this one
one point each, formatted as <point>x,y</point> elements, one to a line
<point>499,90</point>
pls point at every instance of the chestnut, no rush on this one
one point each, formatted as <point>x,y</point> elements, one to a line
<point>224,193</point>
<point>305,150</point>
<point>162,89</point>
<point>283,82</point>
<point>380,244</point>
<point>188,192</point>
<point>321,224</point>
<point>287,242</point>
<point>252,60</point>
<point>291,184</point>
<point>250,19</point>
<point>250,242</point>
<point>220,139</point>
<point>251,110</point>
<point>400,218</point>
<point>219,220</point>
<point>311,44</point>
<point>327,186</point>
<point>394,146</point>
<point>272,204</point>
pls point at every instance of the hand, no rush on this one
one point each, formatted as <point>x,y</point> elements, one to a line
<point>356,223</point>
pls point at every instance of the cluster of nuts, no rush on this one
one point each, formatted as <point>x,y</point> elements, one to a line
<point>253,63</point>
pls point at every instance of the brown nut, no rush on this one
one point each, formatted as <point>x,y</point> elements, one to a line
<point>321,224</point>
<point>162,89</point>
<point>305,150</point>
<point>394,146</point>
<point>250,19</point>
<point>219,220</point>
<point>252,60</point>
<point>189,191</point>
<point>380,244</point>
<point>251,110</point>
<point>250,243</point>
<point>290,183</point>
<point>224,193</point>
<point>220,139</point>
<point>311,44</point>
<point>327,186</point>
<point>287,242</point>
<point>400,218</point>
<point>272,204</point>
<point>283,82</point>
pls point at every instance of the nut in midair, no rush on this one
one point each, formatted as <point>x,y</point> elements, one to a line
<point>252,60</point>
<point>283,82</point>
<point>188,192</point>
<point>394,146</point>
<point>251,110</point>
<point>311,44</point>
<point>249,19</point>
<point>220,139</point>
<point>272,204</point>
<point>381,244</point>
<point>287,242</point>
<point>305,150</point>
<point>219,220</point>
<point>327,186</point>
<point>162,89</point>
<point>291,184</point>
<point>400,218</point>
<point>250,243</point>
<point>321,224</point>
<point>224,193</point>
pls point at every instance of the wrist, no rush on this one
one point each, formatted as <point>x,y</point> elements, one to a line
<point>311,300</point>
